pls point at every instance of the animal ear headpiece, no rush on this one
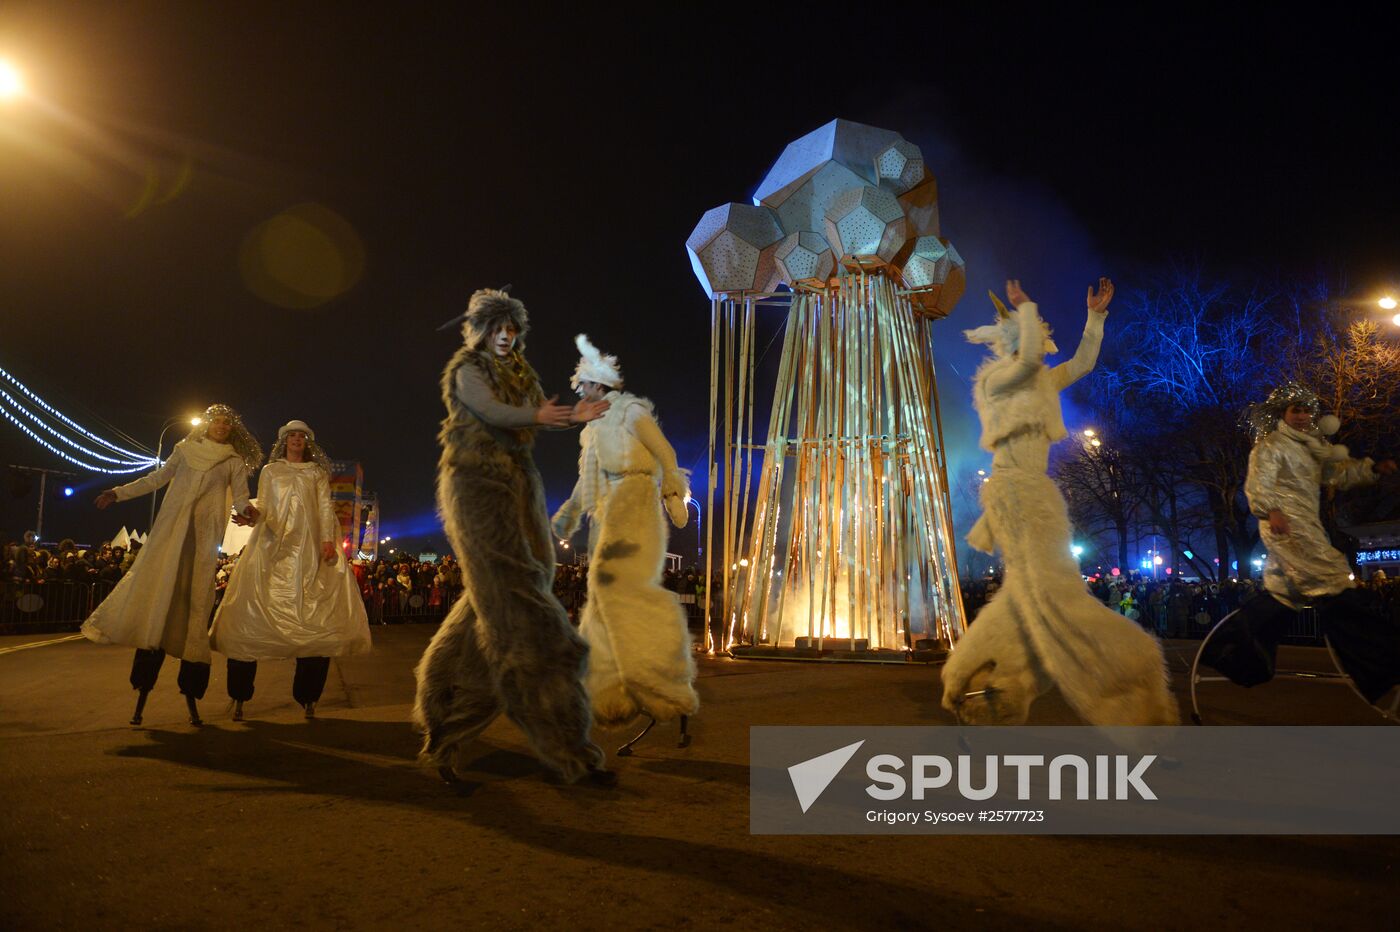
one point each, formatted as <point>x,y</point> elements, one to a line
<point>594,366</point>
<point>1004,336</point>
<point>488,311</point>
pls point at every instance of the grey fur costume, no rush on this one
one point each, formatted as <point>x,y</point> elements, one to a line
<point>507,644</point>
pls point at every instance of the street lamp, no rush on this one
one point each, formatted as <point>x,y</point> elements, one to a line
<point>11,83</point>
<point>1387,303</point>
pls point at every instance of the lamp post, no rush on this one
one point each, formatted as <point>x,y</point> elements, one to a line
<point>160,444</point>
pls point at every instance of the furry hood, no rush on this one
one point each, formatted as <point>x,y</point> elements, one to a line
<point>1004,335</point>
<point>594,366</point>
<point>488,311</point>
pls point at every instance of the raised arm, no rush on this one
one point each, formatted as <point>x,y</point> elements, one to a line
<point>1030,350</point>
<point>1082,363</point>
<point>147,483</point>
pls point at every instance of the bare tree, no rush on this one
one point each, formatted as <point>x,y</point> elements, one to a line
<point>1188,359</point>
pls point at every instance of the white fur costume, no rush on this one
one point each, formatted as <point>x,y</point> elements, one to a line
<point>1042,628</point>
<point>639,644</point>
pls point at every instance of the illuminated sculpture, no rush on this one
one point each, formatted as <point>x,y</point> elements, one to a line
<point>839,536</point>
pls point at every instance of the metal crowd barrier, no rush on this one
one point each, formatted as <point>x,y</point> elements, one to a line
<point>51,605</point>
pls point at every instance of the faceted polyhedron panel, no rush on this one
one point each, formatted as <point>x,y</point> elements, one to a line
<point>900,166</point>
<point>920,205</point>
<point>928,263</point>
<point>938,299</point>
<point>853,145</point>
<point>803,206</point>
<point>726,245</point>
<point>866,224</point>
<point>804,258</point>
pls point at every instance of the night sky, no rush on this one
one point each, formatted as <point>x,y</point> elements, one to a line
<point>572,157</point>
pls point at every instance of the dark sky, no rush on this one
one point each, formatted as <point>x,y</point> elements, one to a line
<point>572,157</point>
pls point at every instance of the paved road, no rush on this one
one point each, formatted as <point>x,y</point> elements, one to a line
<point>276,822</point>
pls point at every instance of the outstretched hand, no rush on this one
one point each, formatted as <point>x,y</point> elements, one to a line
<point>105,499</point>
<point>1098,300</point>
<point>586,411</point>
<point>1014,294</point>
<point>552,414</point>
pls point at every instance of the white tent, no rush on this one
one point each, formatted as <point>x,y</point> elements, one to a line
<point>122,539</point>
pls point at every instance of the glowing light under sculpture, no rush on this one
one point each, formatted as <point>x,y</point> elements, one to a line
<point>836,528</point>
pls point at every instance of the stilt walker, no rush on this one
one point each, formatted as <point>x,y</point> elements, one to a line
<point>162,605</point>
<point>1290,463</point>
<point>640,652</point>
<point>507,644</point>
<point>1042,628</point>
<point>291,594</point>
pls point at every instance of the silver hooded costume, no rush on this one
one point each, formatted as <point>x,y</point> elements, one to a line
<point>1042,628</point>
<point>1287,467</point>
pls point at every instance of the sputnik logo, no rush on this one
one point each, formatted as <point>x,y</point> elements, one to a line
<point>811,777</point>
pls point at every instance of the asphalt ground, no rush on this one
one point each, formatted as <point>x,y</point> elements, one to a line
<point>277,822</point>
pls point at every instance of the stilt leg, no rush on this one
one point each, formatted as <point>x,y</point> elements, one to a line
<point>310,708</point>
<point>238,710</point>
<point>626,749</point>
<point>140,706</point>
<point>194,711</point>
<point>684,742</point>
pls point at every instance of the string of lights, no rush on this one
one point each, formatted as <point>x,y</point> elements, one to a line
<point>72,459</point>
<point>15,411</point>
<point>144,461</point>
<point>144,457</point>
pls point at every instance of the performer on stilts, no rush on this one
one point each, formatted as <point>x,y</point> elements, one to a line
<point>162,605</point>
<point>1290,463</point>
<point>507,644</point>
<point>640,656</point>
<point>291,594</point>
<point>1042,628</point>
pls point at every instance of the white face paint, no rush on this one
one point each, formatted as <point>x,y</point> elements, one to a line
<point>504,340</point>
<point>592,391</point>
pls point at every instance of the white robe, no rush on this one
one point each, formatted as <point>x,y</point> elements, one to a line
<point>1043,628</point>
<point>640,659</point>
<point>166,598</point>
<point>283,600</point>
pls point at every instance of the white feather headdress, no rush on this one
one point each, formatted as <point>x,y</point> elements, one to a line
<point>593,366</point>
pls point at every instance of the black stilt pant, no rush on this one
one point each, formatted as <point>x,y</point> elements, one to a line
<point>145,668</point>
<point>310,679</point>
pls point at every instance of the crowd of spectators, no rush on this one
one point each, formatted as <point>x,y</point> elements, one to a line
<point>65,562</point>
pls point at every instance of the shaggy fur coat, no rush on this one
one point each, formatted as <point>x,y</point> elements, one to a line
<point>1043,628</point>
<point>507,644</point>
<point>640,649</point>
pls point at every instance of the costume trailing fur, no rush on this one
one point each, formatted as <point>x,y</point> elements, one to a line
<point>1042,628</point>
<point>640,648</point>
<point>507,644</point>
